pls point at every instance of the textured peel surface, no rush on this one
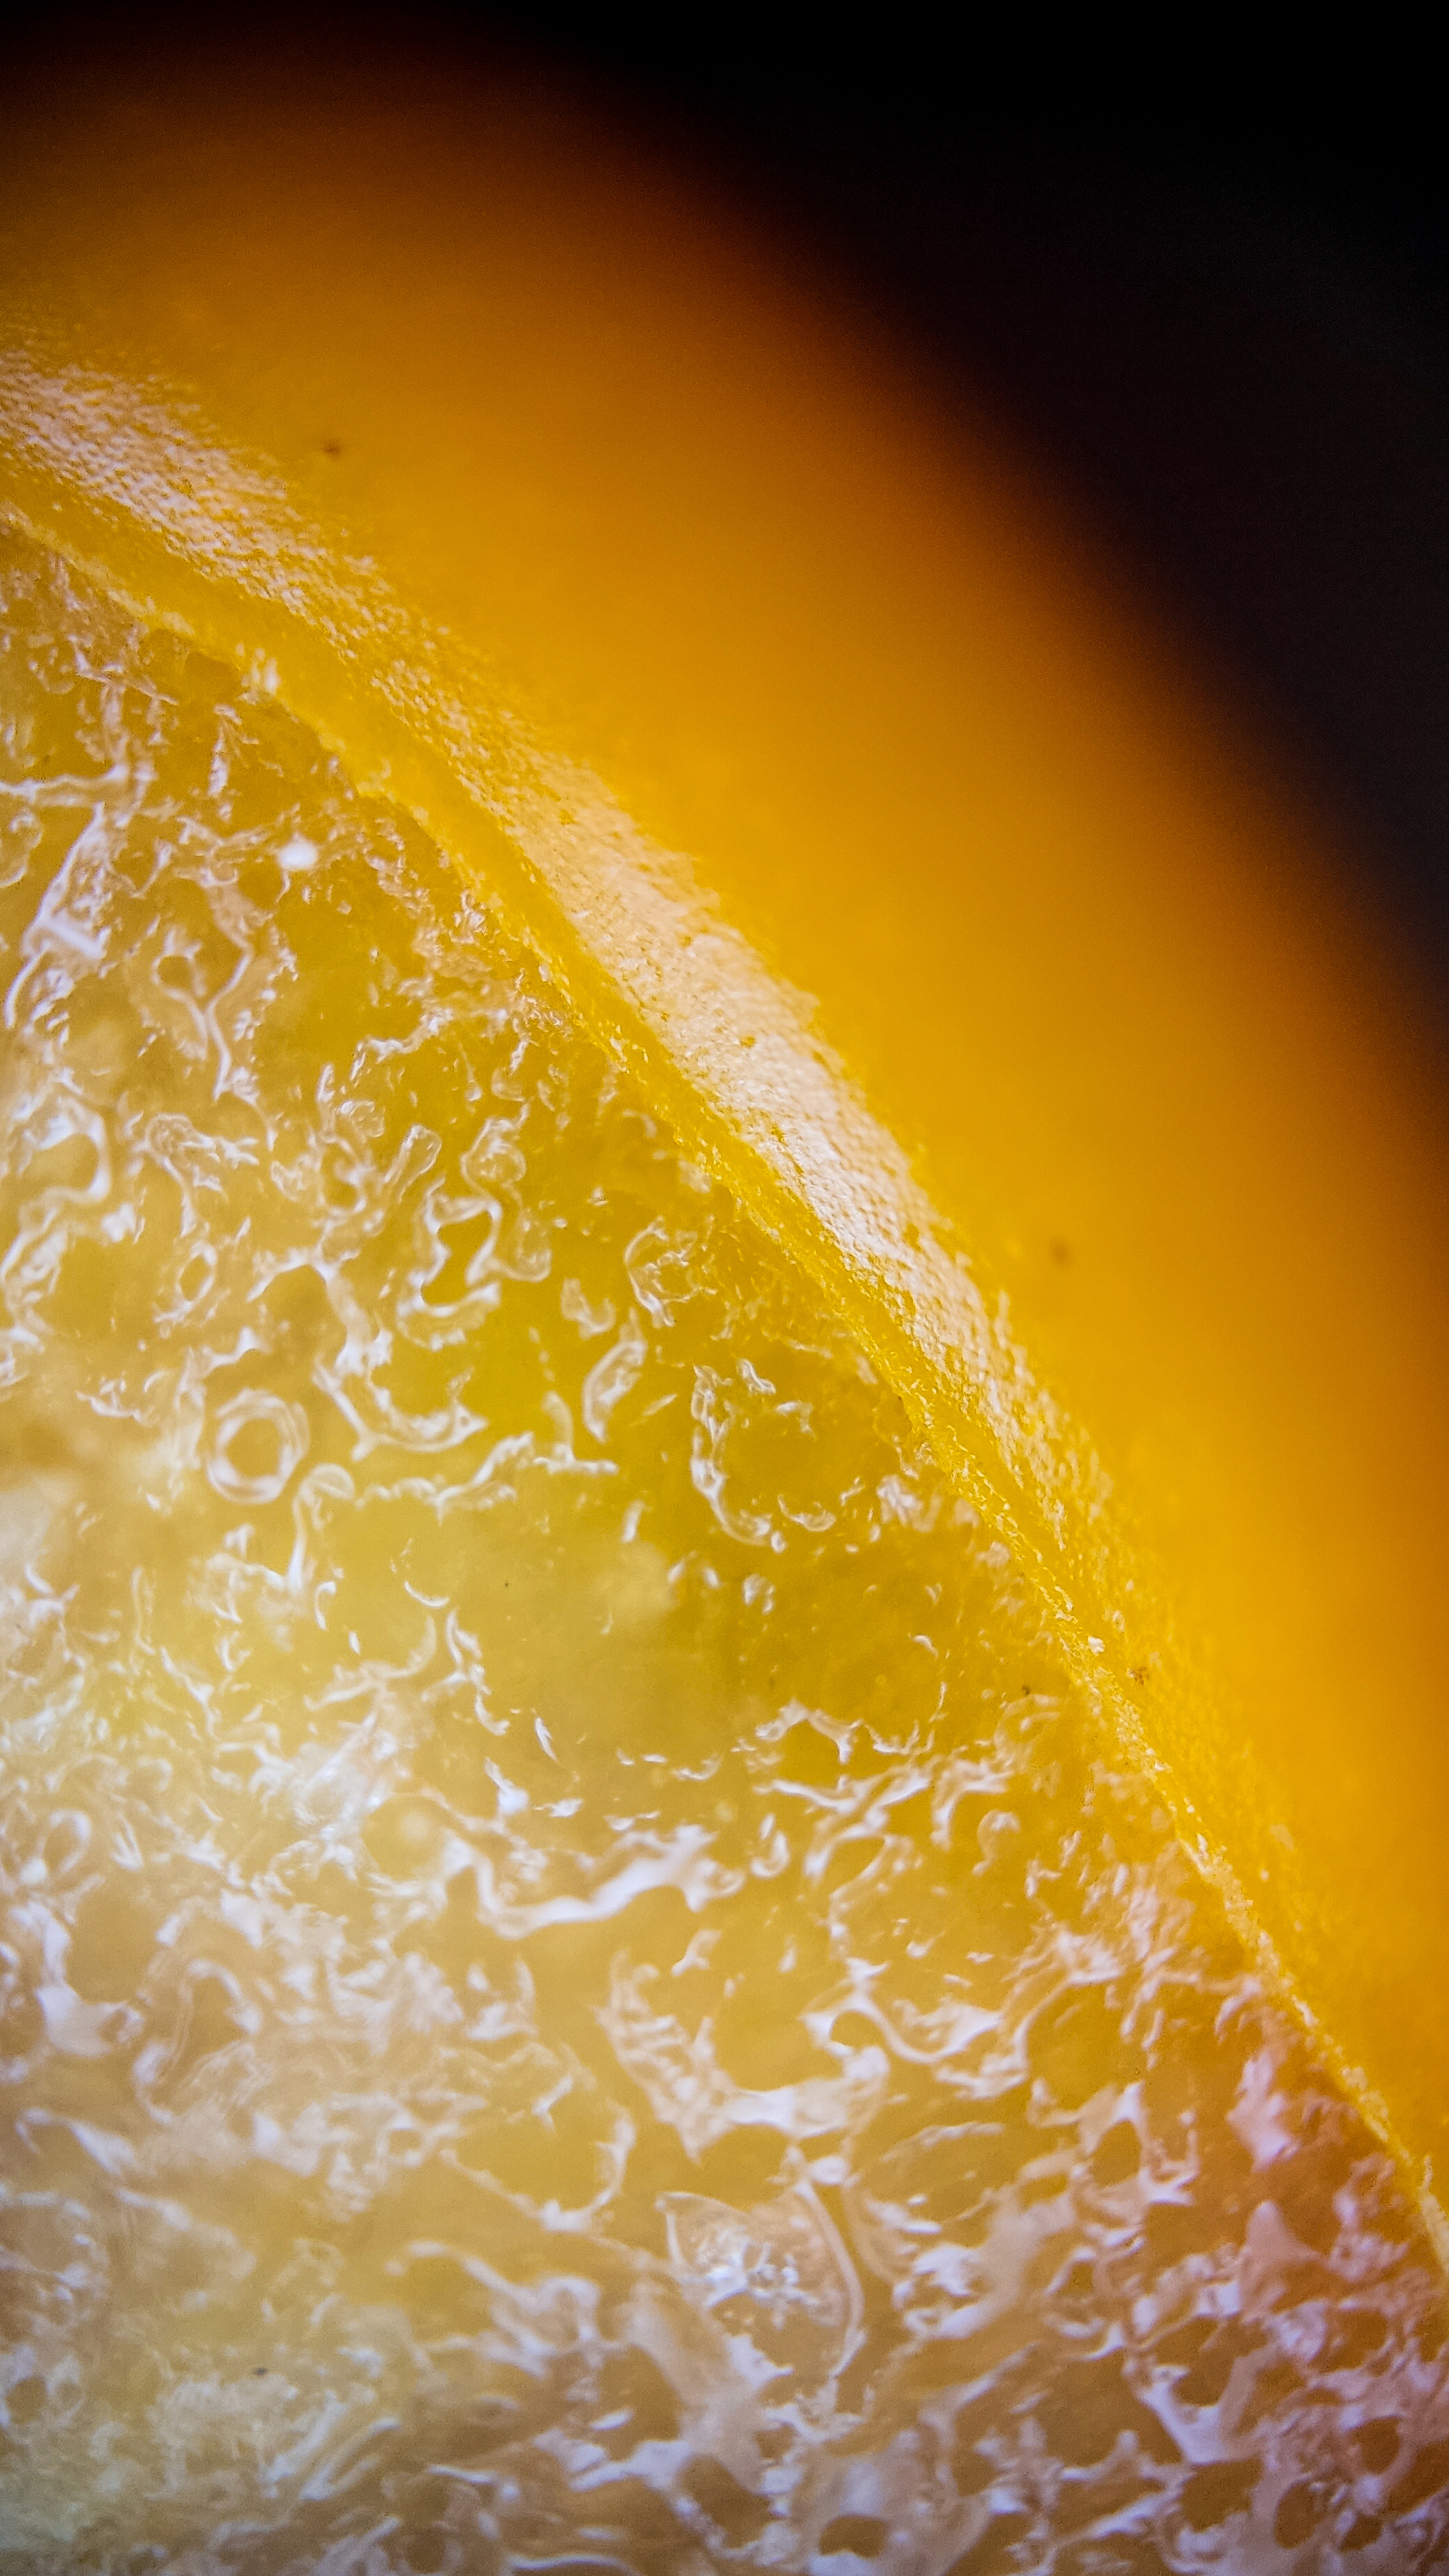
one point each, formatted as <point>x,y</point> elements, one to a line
<point>577,1991</point>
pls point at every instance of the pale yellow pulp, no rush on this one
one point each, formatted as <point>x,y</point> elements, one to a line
<point>577,1993</point>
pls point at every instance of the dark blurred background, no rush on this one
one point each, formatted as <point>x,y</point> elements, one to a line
<point>1208,294</point>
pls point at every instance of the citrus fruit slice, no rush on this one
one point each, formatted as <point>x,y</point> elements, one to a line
<point>597,1924</point>
<point>579,1979</point>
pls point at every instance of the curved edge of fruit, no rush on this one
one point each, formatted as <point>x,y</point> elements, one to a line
<point>151,506</point>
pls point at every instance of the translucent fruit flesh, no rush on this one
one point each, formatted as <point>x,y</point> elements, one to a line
<point>577,1990</point>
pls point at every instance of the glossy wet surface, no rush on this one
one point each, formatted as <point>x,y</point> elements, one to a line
<point>576,1992</point>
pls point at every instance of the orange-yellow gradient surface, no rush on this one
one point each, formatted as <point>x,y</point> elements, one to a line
<point>863,818</point>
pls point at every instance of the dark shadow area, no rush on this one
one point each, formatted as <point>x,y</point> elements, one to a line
<point>1219,325</point>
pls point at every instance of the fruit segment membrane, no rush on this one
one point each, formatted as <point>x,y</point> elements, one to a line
<point>578,1989</point>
